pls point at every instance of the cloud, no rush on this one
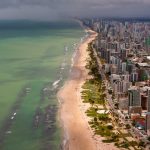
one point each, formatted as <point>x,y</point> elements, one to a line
<point>54,9</point>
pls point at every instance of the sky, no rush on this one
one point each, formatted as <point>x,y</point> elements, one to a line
<point>56,9</point>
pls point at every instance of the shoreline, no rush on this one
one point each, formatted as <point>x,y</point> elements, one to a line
<point>77,134</point>
<point>74,82</point>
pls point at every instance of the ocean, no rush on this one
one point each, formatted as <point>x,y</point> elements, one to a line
<point>35,59</point>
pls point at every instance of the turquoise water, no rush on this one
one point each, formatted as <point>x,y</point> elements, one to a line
<point>34,62</point>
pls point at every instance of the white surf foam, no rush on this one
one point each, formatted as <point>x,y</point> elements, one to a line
<point>56,82</point>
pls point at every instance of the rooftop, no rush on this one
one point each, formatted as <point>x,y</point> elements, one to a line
<point>143,64</point>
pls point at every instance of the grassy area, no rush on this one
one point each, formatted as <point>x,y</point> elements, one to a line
<point>93,92</point>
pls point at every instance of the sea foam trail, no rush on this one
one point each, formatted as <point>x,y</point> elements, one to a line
<point>56,83</point>
<point>62,67</point>
<point>76,47</point>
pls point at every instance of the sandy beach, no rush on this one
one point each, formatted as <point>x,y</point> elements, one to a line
<point>77,133</point>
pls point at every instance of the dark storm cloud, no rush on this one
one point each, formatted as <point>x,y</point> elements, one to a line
<point>53,9</point>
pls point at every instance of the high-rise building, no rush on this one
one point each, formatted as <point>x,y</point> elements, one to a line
<point>134,96</point>
<point>148,123</point>
<point>99,40</point>
<point>123,54</point>
<point>144,99</point>
<point>107,56</point>
<point>112,60</point>
<point>134,76</point>
<point>148,100</point>
<point>130,66</point>
<point>113,69</point>
<point>125,77</point>
<point>124,67</point>
<point>147,44</point>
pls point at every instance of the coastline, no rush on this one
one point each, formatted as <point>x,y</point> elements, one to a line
<point>77,134</point>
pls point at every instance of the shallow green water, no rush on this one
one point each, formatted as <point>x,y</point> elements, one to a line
<point>31,54</point>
